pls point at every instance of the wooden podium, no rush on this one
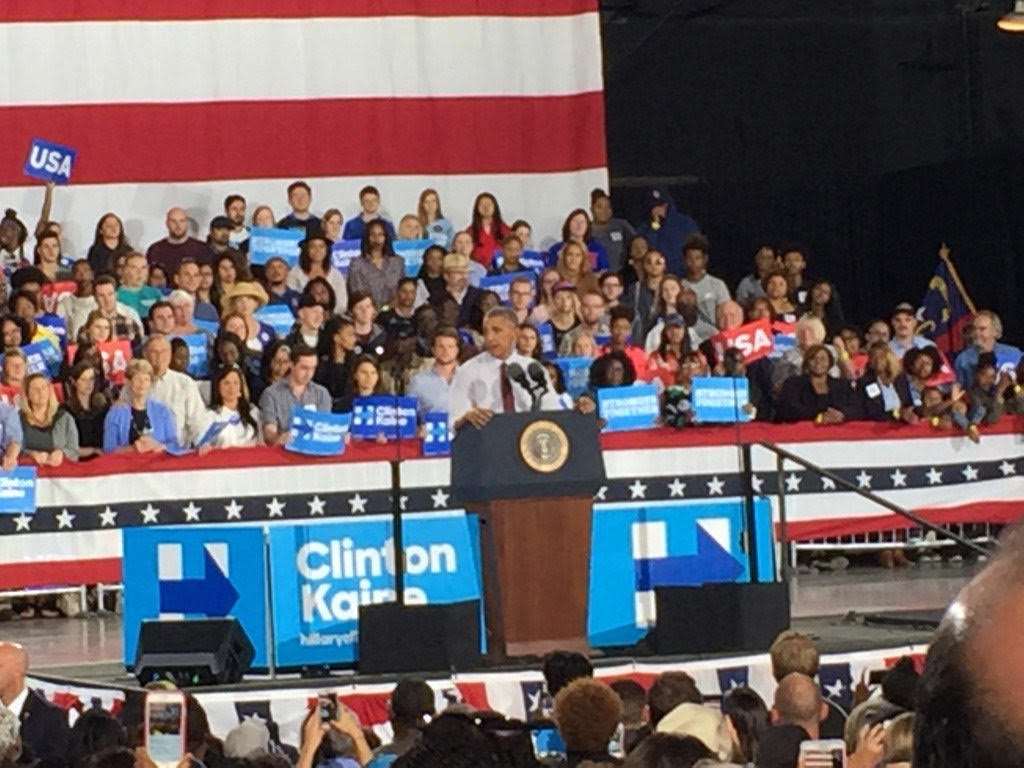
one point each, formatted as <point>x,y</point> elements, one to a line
<point>531,478</point>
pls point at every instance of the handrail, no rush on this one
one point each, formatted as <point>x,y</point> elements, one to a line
<point>870,496</point>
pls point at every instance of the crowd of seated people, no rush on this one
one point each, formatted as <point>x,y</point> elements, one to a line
<point>155,345</point>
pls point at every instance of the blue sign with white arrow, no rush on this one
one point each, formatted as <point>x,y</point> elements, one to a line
<point>173,573</point>
<point>710,563</point>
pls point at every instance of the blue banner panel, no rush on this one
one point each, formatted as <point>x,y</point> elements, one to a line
<point>266,243</point>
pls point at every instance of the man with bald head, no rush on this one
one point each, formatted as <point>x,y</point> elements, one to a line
<point>44,727</point>
<point>798,701</point>
<point>968,700</point>
<point>178,245</point>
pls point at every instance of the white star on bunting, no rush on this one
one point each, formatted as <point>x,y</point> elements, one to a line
<point>65,520</point>
<point>601,492</point>
<point>793,482</point>
<point>637,490</point>
<point>358,504</point>
<point>108,517</point>
<point>715,486</point>
<point>22,522</point>
<point>899,479</point>
<point>150,514</point>
<point>440,498</point>
<point>1007,468</point>
<point>756,483</point>
<point>192,512</point>
<point>275,508</point>
<point>316,506</point>
<point>970,473</point>
<point>676,488</point>
<point>863,479</point>
<point>234,510</point>
<point>934,476</point>
<point>828,484</point>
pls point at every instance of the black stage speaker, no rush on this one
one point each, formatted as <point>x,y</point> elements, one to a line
<point>717,618</point>
<point>419,638</point>
<point>192,652</point>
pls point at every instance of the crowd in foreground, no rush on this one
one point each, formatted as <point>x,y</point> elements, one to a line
<point>122,350</point>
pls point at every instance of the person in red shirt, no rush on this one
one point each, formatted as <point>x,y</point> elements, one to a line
<point>621,326</point>
<point>487,229</point>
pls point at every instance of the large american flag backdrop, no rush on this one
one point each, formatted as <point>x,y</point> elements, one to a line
<point>180,103</point>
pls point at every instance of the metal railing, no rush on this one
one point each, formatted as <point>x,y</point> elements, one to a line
<point>944,535</point>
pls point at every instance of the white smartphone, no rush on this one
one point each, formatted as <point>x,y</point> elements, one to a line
<point>165,727</point>
<point>824,753</point>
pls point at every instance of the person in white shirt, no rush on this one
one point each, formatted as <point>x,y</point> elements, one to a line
<point>178,391</point>
<point>229,402</point>
<point>481,387</point>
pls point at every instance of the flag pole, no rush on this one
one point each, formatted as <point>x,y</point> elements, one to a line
<point>944,255</point>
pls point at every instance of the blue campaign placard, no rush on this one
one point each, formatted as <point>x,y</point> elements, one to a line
<point>266,243</point>
<point>412,252</point>
<point>639,547</point>
<point>323,573</point>
<point>634,407</point>
<point>393,417</point>
<point>210,326</point>
<point>318,434</point>
<point>720,399</point>
<point>530,260</point>
<point>198,354</point>
<point>18,491</point>
<point>437,435</point>
<point>190,573</point>
<point>502,284</point>
<point>49,161</point>
<point>576,373</point>
<point>43,357</point>
<point>277,316</point>
<point>547,340</point>
<point>343,252</point>
<point>1007,359</point>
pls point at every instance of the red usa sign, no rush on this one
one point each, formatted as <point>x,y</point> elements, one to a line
<point>754,340</point>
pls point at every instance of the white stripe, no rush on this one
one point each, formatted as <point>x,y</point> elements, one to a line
<point>543,199</point>
<point>663,462</point>
<point>212,483</point>
<point>261,59</point>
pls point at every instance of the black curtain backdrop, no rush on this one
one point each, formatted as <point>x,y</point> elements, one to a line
<point>871,131</point>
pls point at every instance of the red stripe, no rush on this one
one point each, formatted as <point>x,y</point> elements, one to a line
<point>105,570</point>
<point>328,137</point>
<point>996,512</point>
<point>177,10</point>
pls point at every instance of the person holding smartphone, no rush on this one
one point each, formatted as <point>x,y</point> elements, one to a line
<point>331,717</point>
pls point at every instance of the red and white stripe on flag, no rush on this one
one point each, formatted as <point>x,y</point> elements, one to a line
<point>181,103</point>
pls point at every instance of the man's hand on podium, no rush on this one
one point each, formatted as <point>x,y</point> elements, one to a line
<point>478,417</point>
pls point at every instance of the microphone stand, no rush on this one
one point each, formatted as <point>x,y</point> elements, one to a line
<point>398,546</point>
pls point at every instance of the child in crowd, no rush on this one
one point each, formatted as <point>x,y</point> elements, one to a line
<point>984,400</point>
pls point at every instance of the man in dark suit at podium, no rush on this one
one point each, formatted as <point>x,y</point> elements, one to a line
<point>499,379</point>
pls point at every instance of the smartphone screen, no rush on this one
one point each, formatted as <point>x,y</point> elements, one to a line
<point>826,753</point>
<point>164,739</point>
<point>547,742</point>
<point>327,704</point>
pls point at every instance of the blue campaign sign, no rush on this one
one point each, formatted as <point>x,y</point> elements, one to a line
<point>386,415</point>
<point>531,260</point>
<point>43,357</point>
<point>318,434</point>
<point>547,340</point>
<point>343,252</point>
<point>437,436</point>
<point>502,284</point>
<point>49,161</point>
<point>1007,359</point>
<point>18,491</point>
<point>720,399</point>
<point>412,252</point>
<point>635,407</point>
<point>55,323</point>
<point>266,243</point>
<point>323,573</point>
<point>277,316</point>
<point>576,373</point>
<point>210,326</point>
<point>198,354</point>
<point>637,547</point>
<point>209,571</point>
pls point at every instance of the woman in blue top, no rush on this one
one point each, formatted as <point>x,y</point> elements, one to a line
<point>437,228</point>
<point>139,424</point>
<point>577,229</point>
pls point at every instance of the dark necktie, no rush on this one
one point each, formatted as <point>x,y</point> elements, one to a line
<point>508,401</point>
